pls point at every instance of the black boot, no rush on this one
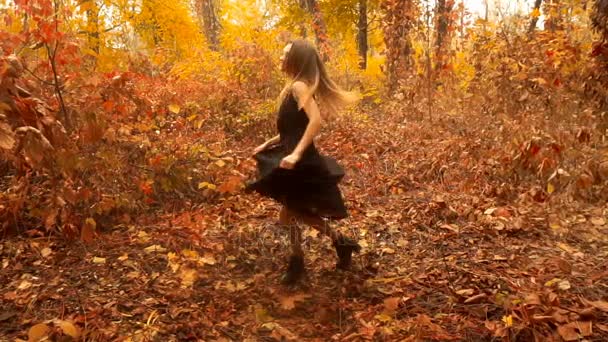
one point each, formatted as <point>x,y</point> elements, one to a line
<point>295,270</point>
<point>345,248</point>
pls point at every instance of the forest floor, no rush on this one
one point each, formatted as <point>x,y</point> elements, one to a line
<point>449,253</point>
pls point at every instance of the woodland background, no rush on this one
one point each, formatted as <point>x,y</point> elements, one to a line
<point>477,170</point>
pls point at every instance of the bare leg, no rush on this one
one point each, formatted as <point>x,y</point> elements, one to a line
<point>344,246</point>
<point>295,267</point>
<point>320,225</point>
<point>289,220</point>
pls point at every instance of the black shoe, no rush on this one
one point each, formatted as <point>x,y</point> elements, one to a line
<point>295,270</point>
<point>345,248</point>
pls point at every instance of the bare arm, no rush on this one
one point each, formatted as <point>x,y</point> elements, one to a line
<point>314,118</point>
<point>273,140</point>
<point>313,128</point>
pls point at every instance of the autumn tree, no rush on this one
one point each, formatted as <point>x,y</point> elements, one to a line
<point>444,22</point>
<point>362,28</point>
<point>207,11</point>
<point>599,18</point>
<point>91,9</point>
<point>535,15</point>
<point>318,26</point>
<point>399,18</point>
<point>554,16</point>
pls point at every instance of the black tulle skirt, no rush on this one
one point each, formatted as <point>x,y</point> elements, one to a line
<point>311,188</point>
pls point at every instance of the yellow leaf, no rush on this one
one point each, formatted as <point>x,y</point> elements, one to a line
<point>98,260</point>
<point>552,282</point>
<point>190,254</point>
<point>550,188</point>
<point>45,252</point>
<point>69,329</point>
<point>155,248</point>
<point>192,117</point>
<point>508,320</point>
<point>208,259</point>
<point>203,185</point>
<point>220,163</point>
<point>173,261</point>
<point>174,108</point>
<point>384,318</point>
<point>38,332</point>
<point>535,13</point>
<point>262,316</point>
<point>188,277</point>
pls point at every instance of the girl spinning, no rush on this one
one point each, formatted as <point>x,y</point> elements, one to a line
<point>290,168</point>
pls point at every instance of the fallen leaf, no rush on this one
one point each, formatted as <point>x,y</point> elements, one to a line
<point>532,299</point>
<point>489,211</point>
<point>24,285</point>
<point>574,331</point>
<point>508,320</point>
<point>155,248</point>
<point>602,327</point>
<point>465,292</point>
<point>123,257</point>
<point>563,285</point>
<point>38,332</point>
<point>261,315</point>
<point>203,185</point>
<point>598,304</point>
<point>6,315</point>
<point>45,252</point>
<point>7,137</point>
<point>391,305</point>
<point>173,108</point>
<point>208,259</point>
<point>283,334</point>
<point>69,329</point>
<point>388,250</point>
<point>384,318</point>
<point>289,302</point>
<point>475,299</point>
<point>188,277</point>
<point>98,260</point>
<point>598,221</point>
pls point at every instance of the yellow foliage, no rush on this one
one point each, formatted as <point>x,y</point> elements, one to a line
<point>169,28</point>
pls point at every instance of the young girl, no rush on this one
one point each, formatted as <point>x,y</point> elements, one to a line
<point>290,168</point>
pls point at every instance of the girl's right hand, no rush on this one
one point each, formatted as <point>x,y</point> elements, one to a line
<point>260,148</point>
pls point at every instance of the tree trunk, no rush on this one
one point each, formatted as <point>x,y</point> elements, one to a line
<point>534,20</point>
<point>599,18</point>
<point>398,22</point>
<point>318,26</point>
<point>554,19</point>
<point>208,11</point>
<point>443,11</point>
<point>92,30</point>
<point>362,34</point>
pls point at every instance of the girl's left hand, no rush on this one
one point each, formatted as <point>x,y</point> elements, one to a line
<point>289,162</point>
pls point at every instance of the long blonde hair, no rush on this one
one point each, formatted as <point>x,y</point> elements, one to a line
<point>303,63</point>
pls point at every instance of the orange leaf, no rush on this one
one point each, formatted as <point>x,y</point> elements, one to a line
<point>38,332</point>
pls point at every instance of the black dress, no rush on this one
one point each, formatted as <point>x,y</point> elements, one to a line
<point>311,187</point>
